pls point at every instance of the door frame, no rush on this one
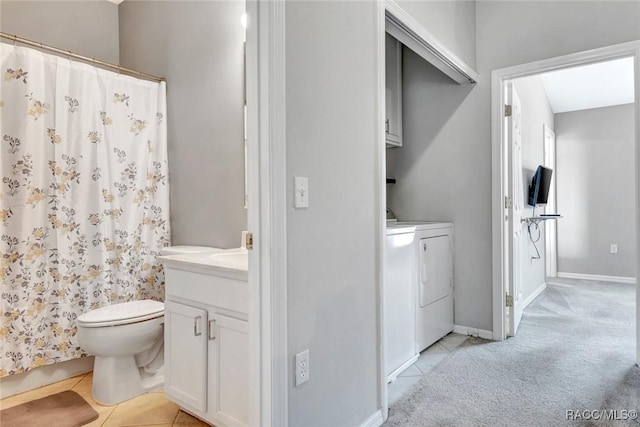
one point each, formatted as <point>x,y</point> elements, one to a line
<point>514,211</point>
<point>267,220</point>
<point>550,229</point>
<point>498,77</point>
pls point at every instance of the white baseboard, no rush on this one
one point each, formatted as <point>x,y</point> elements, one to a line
<point>616,279</point>
<point>474,332</point>
<point>533,296</point>
<point>374,420</point>
<point>393,375</point>
<point>44,375</point>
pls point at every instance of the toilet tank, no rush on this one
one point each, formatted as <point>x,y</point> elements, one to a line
<point>184,249</point>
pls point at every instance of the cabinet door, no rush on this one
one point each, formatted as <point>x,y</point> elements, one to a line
<point>229,361</point>
<point>435,269</point>
<point>185,349</point>
<point>393,96</point>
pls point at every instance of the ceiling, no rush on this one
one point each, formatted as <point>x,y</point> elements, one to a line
<point>597,85</point>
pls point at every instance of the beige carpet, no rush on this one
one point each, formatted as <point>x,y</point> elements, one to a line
<point>65,409</point>
<point>572,363</point>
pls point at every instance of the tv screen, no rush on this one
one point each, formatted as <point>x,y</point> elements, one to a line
<point>539,188</point>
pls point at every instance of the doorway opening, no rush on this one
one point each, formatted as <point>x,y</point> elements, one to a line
<point>534,244</point>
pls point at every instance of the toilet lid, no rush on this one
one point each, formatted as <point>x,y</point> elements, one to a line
<point>118,314</point>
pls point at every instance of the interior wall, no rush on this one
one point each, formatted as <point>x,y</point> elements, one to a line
<point>198,47</point>
<point>332,263</point>
<point>85,28</point>
<point>596,191</point>
<point>508,34</point>
<point>88,28</point>
<point>536,112</point>
<point>452,22</point>
<point>427,186</point>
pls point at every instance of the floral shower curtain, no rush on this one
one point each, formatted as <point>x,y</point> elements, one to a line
<point>84,200</point>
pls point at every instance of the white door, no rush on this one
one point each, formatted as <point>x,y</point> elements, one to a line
<point>515,208</point>
<point>185,346</point>
<point>551,255</point>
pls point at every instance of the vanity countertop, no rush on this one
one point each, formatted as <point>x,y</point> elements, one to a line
<point>231,263</point>
<point>398,227</point>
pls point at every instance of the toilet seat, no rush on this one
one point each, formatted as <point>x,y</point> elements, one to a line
<point>121,314</point>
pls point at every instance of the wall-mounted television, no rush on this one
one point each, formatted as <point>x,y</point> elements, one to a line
<point>539,187</point>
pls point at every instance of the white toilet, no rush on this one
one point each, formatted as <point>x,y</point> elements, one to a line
<point>127,342</point>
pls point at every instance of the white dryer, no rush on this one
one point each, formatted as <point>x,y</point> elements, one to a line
<point>434,292</point>
<point>418,290</point>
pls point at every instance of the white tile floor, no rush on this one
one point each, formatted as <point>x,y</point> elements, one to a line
<point>428,359</point>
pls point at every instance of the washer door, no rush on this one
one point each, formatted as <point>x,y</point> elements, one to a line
<point>435,282</point>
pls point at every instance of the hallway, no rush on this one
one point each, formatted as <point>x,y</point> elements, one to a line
<point>574,352</point>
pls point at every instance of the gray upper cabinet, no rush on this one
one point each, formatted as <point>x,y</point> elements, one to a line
<point>393,96</point>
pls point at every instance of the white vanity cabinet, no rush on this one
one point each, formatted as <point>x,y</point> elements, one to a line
<point>207,344</point>
<point>185,362</point>
<point>393,96</point>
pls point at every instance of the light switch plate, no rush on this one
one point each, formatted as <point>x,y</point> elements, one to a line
<point>301,189</point>
<point>613,249</point>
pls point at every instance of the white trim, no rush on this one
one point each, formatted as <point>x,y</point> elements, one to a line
<point>395,374</point>
<point>497,210</point>
<point>381,208</point>
<point>550,229</point>
<point>601,278</point>
<point>533,295</point>
<point>266,153</point>
<point>636,67</point>
<point>401,25</point>
<point>375,420</point>
<point>473,332</point>
<point>498,77</point>
<point>44,375</point>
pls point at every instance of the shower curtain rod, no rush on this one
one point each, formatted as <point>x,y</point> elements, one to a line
<point>93,61</point>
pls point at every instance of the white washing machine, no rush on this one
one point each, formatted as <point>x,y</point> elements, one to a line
<point>399,300</point>
<point>418,290</point>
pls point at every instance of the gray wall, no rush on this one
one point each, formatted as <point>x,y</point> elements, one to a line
<point>451,22</point>
<point>428,185</point>
<point>426,167</point>
<point>508,33</point>
<point>512,33</point>
<point>596,191</point>
<point>89,28</point>
<point>331,106</point>
<point>536,112</point>
<point>198,47</point>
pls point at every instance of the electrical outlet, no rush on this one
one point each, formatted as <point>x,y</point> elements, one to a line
<point>613,249</point>
<point>302,367</point>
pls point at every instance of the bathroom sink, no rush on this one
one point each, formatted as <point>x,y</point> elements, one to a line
<point>238,260</point>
